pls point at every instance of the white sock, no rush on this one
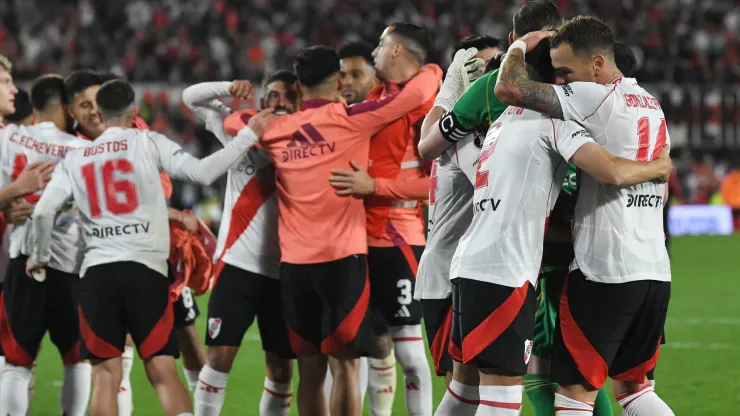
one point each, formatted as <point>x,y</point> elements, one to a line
<point>417,376</point>
<point>14,390</point>
<point>644,403</point>
<point>76,389</point>
<point>191,377</point>
<point>381,385</point>
<point>500,400</point>
<point>275,399</point>
<point>459,399</point>
<point>125,395</point>
<point>210,392</point>
<point>565,406</point>
<point>185,414</point>
<point>31,387</point>
<point>364,375</point>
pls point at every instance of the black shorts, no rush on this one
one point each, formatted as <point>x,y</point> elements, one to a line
<point>493,325</point>
<point>185,309</point>
<point>438,324</point>
<point>608,330</point>
<point>326,306</point>
<point>30,308</point>
<point>237,298</point>
<point>392,280</point>
<point>121,297</point>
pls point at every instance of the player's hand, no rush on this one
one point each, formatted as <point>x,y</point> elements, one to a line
<point>457,79</point>
<point>34,177</point>
<point>532,39</point>
<point>667,164</point>
<point>241,89</point>
<point>259,122</point>
<point>356,182</point>
<point>190,222</point>
<point>32,266</point>
<point>19,211</point>
<point>475,67</point>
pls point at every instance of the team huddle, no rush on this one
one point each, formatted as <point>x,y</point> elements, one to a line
<point>545,271</point>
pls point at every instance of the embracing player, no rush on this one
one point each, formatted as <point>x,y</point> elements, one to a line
<point>248,253</point>
<point>323,237</point>
<point>124,218</point>
<point>624,274</point>
<point>31,308</point>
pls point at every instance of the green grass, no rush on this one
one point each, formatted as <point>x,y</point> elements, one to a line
<point>696,374</point>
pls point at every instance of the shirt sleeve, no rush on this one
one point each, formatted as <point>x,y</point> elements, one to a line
<point>405,190</point>
<point>373,115</point>
<point>181,165</point>
<point>56,194</point>
<point>203,100</point>
<point>586,102</point>
<point>568,137</point>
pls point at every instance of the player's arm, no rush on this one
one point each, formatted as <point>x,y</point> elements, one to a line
<point>56,194</point>
<point>186,219</point>
<point>203,99</point>
<point>181,165</point>
<point>577,146</point>
<point>33,178</point>
<point>358,182</point>
<point>373,115</point>
<point>575,101</point>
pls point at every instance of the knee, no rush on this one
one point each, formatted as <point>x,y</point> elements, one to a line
<point>382,346</point>
<point>221,358</point>
<point>278,370</point>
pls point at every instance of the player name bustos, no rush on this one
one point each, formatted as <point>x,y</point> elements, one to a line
<point>118,230</point>
<point>486,204</point>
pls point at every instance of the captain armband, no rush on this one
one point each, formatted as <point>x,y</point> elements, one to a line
<point>451,128</point>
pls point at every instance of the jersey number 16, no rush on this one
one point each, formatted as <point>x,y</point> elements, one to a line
<point>111,188</point>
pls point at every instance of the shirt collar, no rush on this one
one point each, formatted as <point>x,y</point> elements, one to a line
<point>315,103</point>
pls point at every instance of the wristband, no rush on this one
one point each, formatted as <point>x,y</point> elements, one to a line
<point>519,44</point>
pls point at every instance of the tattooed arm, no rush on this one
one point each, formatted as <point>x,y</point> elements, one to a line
<point>514,87</point>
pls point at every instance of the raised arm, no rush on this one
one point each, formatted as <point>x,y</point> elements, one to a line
<point>181,165</point>
<point>56,194</point>
<point>203,100</point>
<point>374,115</point>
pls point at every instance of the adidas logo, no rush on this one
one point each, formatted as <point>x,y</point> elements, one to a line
<point>412,386</point>
<point>403,312</point>
<point>387,390</point>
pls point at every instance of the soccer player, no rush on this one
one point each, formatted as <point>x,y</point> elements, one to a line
<point>392,186</point>
<point>356,71</point>
<point>248,255</point>
<point>450,212</point>
<point>323,237</point>
<point>31,308</point>
<point>496,264</point>
<point>621,266</point>
<point>124,218</point>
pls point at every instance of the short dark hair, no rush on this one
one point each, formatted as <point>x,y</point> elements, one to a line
<point>313,65</point>
<point>477,42</point>
<point>625,59</point>
<point>46,89</point>
<point>415,34</point>
<point>81,80</point>
<point>534,16</point>
<point>107,76</point>
<point>23,107</point>
<point>114,98</point>
<point>281,75</point>
<point>357,48</point>
<point>585,35</point>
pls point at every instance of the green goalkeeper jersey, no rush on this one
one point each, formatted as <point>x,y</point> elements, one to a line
<point>476,109</point>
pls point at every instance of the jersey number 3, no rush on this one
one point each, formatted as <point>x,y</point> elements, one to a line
<point>112,188</point>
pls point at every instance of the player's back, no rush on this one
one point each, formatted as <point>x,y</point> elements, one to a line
<point>520,171</point>
<point>618,232</point>
<point>316,225</point>
<point>42,142</point>
<point>116,184</point>
<point>450,212</point>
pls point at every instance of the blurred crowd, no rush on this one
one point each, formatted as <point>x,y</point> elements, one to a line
<point>168,42</point>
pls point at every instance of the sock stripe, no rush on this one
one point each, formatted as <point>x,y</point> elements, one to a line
<point>627,395</point>
<point>407,339</point>
<point>210,388</point>
<point>276,394</point>
<point>502,405</point>
<point>382,368</point>
<point>462,399</point>
<point>572,409</point>
<point>637,396</point>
